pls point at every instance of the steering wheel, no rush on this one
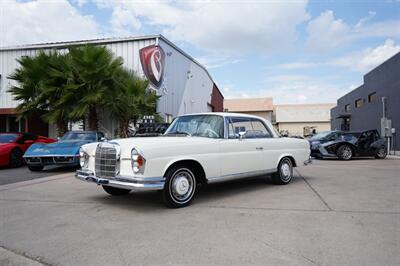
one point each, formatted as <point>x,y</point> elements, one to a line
<point>211,133</point>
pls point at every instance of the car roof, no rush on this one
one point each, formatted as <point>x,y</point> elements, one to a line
<point>225,114</point>
<point>82,131</point>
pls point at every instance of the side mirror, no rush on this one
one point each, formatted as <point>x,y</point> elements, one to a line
<point>103,139</point>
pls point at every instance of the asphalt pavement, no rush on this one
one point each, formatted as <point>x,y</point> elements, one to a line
<point>333,213</point>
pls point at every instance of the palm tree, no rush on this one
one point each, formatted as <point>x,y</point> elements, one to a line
<point>130,100</point>
<point>56,93</point>
<point>93,70</point>
<point>34,80</point>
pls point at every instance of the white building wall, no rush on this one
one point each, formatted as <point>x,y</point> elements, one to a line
<point>303,113</point>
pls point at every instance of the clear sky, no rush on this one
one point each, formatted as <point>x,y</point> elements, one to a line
<point>295,51</point>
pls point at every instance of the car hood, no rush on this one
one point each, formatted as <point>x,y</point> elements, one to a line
<point>70,147</point>
<point>6,146</point>
<point>157,145</point>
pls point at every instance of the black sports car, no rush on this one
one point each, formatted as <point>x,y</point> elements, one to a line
<point>346,145</point>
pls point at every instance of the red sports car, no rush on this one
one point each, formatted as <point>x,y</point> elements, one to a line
<point>14,145</point>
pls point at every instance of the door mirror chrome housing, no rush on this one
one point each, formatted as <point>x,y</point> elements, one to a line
<point>242,134</point>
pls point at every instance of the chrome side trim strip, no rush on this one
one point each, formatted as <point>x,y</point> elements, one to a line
<point>239,175</point>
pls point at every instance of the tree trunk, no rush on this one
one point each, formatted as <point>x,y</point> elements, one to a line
<point>93,119</point>
<point>123,128</point>
<point>62,127</point>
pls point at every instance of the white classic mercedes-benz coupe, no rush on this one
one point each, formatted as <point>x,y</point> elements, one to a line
<point>196,148</point>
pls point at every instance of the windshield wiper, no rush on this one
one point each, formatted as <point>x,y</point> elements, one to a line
<point>179,133</point>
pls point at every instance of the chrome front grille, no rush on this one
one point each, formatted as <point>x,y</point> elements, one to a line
<point>106,160</point>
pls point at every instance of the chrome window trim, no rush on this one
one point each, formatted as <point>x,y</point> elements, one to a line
<point>239,175</point>
<point>228,120</point>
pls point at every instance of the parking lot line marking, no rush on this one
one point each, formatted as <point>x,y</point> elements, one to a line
<point>315,191</point>
<point>301,210</point>
<point>30,258</point>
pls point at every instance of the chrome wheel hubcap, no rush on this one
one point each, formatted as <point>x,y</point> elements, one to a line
<point>286,171</point>
<point>182,186</point>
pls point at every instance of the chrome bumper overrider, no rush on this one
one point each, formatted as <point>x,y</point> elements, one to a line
<point>132,183</point>
<point>309,161</point>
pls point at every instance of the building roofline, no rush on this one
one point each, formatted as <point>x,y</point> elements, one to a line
<point>78,42</point>
<point>380,65</point>
<point>246,99</point>
<point>304,105</point>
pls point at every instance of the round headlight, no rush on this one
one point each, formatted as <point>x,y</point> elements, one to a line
<point>83,158</point>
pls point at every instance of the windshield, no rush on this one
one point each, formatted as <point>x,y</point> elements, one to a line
<point>321,135</point>
<point>79,136</point>
<point>209,126</point>
<point>8,138</point>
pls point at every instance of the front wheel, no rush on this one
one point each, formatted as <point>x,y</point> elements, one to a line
<point>180,187</point>
<point>35,168</point>
<point>344,152</point>
<point>114,191</point>
<point>285,172</point>
<point>381,153</point>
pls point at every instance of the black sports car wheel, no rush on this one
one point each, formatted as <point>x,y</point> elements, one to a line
<point>16,159</point>
<point>344,152</point>
<point>285,172</point>
<point>381,153</point>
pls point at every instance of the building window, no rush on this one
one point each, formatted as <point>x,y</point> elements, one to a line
<point>226,110</point>
<point>359,103</point>
<point>347,108</point>
<point>372,97</point>
<point>168,118</point>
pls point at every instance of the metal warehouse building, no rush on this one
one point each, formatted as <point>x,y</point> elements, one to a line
<point>363,108</point>
<point>185,86</point>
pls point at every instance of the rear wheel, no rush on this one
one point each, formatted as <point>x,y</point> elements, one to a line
<point>35,168</point>
<point>344,152</point>
<point>179,188</point>
<point>114,191</point>
<point>285,172</point>
<point>16,159</point>
<point>381,153</point>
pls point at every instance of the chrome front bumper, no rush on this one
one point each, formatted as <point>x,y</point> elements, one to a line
<point>132,183</point>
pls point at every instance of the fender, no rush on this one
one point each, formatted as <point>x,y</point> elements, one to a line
<point>287,155</point>
<point>176,160</point>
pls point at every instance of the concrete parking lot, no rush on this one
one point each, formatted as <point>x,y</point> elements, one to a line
<point>13,175</point>
<point>334,212</point>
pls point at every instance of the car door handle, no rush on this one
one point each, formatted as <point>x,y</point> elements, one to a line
<point>259,148</point>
